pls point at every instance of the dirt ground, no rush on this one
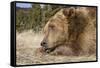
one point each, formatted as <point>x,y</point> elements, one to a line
<point>27,44</point>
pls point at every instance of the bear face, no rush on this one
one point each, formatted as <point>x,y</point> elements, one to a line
<point>65,32</point>
<point>55,32</point>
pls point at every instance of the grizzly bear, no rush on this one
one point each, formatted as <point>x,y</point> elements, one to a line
<point>71,31</point>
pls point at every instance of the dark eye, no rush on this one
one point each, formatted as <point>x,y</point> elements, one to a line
<point>51,26</point>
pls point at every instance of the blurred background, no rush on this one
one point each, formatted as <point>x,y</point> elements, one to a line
<point>34,16</point>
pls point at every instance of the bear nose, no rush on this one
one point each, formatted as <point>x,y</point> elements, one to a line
<point>43,44</point>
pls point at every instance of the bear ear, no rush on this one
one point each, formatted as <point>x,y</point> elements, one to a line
<point>69,12</point>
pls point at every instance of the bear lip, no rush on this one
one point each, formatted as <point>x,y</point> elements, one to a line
<point>48,50</point>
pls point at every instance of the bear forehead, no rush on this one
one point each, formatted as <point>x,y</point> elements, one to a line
<point>59,15</point>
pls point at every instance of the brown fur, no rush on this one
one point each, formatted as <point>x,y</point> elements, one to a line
<point>71,31</point>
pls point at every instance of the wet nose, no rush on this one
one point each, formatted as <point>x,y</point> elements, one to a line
<point>43,43</point>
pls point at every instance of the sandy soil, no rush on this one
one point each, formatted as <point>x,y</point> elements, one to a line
<point>27,46</point>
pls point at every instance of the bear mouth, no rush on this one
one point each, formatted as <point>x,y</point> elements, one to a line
<point>48,50</point>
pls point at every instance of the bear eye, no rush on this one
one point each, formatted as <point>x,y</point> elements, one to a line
<point>51,26</point>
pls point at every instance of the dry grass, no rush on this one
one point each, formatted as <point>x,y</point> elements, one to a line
<point>27,51</point>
